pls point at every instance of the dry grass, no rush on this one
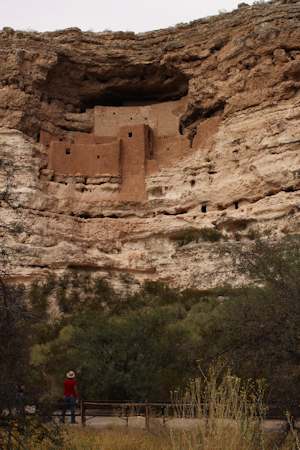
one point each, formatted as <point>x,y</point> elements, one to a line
<point>114,439</point>
<point>229,412</point>
<point>118,439</point>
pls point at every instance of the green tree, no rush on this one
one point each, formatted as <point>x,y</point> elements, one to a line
<point>258,331</point>
<point>134,347</point>
<point>139,356</point>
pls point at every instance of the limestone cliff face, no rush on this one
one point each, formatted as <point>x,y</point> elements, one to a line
<point>237,80</point>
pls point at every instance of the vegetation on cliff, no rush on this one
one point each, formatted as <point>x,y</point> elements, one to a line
<point>142,346</point>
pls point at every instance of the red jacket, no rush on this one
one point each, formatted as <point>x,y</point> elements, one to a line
<point>70,388</point>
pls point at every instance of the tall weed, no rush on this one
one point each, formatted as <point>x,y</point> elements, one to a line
<point>229,413</point>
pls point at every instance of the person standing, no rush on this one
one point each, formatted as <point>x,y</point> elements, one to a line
<point>70,395</point>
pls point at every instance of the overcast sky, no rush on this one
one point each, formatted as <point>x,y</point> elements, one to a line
<point>99,15</point>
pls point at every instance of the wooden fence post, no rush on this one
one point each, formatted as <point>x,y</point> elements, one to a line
<point>164,414</point>
<point>147,417</point>
<point>82,413</point>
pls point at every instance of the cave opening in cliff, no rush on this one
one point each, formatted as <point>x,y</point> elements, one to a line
<point>196,114</point>
<point>136,93</point>
<point>83,86</point>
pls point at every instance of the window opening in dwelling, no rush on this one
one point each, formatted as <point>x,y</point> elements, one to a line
<point>68,151</point>
<point>204,208</point>
<point>236,205</point>
<point>130,134</point>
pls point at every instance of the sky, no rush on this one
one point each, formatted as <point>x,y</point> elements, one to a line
<point>100,15</point>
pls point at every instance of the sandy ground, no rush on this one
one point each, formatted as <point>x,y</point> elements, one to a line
<point>172,423</point>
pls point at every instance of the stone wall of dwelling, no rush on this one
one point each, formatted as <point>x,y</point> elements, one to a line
<point>90,160</point>
<point>128,143</point>
<point>163,118</point>
<point>134,148</point>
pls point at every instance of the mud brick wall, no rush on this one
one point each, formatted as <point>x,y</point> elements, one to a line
<point>128,141</point>
<point>85,159</point>
<point>134,147</point>
<point>163,118</point>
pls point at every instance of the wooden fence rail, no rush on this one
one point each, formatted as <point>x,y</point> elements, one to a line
<point>166,411</point>
<point>125,410</point>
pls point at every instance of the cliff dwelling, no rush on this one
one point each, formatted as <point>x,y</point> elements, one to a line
<point>126,144</point>
<point>145,136</point>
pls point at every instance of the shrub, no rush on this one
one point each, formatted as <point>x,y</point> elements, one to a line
<point>184,237</point>
<point>210,234</point>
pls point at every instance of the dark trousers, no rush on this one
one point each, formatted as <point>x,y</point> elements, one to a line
<point>69,404</point>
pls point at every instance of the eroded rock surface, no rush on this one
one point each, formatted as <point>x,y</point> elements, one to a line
<point>236,79</point>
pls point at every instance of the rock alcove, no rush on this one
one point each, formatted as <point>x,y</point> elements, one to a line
<point>83,87</point>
